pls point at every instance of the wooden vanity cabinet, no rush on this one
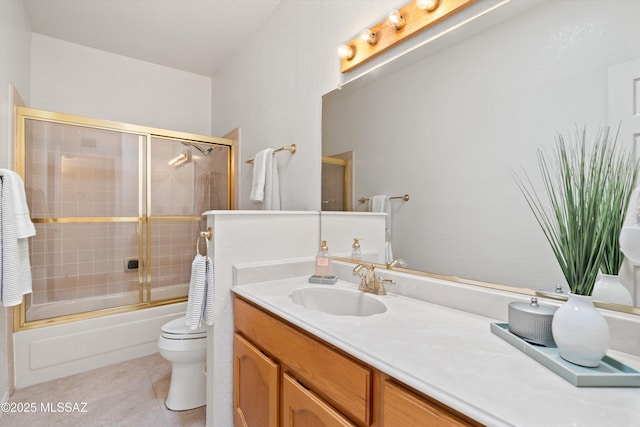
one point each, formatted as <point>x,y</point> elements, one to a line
<point>256,386</point>
<point>337,378</point>
<point>286,377</point>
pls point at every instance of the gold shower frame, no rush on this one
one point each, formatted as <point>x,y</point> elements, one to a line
<point>22,114</point>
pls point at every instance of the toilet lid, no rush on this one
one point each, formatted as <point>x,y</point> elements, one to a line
<point>177,328</point>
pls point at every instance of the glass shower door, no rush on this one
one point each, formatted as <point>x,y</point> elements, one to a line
<point>83,186</point>
<point>117,210</point>
<point>187,178</point>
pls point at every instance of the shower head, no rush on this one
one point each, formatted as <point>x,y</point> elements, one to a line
<point>206,151</point>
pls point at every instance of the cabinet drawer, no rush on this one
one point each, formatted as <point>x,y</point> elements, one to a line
<point>302,408</point>
<point>340,380</point>
<point>401,407</point>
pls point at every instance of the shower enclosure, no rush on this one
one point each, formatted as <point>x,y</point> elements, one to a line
<point>117,210</point>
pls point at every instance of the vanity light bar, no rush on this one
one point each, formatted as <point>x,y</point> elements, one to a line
<point>403,23</point>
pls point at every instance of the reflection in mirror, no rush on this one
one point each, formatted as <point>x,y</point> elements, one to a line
<point>337,182</point>
<point>450,128</point>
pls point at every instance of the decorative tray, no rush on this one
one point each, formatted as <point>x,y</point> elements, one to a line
<point>609,373</point>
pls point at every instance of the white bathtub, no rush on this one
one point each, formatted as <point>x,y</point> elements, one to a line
<point>51,352</point>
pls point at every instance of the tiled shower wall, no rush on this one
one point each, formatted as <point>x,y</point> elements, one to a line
<point>71,261</point>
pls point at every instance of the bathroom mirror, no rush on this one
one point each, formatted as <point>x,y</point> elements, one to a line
<point>452,128</point>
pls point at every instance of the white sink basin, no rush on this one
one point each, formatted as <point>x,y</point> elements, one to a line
<point>339,302</point>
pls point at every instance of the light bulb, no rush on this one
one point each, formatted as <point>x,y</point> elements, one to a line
<point>346,51</point>
<point>428,5</point>
<point>395,20</point>
<point>368,36</point>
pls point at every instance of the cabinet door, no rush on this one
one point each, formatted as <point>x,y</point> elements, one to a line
<point>255,386</point>
<point>302,408</point>
<point>342,381</point>
<point>401,407</point>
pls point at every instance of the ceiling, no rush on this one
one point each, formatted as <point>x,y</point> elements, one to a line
<point>198,36</point>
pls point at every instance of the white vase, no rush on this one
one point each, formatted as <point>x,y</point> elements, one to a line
<point>608,288</point>
<point>630,243</point>
<point>580,331</point>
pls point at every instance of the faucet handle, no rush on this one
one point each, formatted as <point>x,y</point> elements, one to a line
<point>387,281</point>
<point>363,278</point>
<point>379,285</point>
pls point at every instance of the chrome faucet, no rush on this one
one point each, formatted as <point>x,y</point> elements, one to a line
<point>368,280</point>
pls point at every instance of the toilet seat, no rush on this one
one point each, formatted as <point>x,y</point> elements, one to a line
<point>178,330</point>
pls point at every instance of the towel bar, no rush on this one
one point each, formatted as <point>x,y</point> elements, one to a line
<point>292,148</point>
<point>405,198</point>
<point>207,235</point>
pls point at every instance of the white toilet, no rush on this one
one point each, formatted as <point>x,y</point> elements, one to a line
<point>186,349</point>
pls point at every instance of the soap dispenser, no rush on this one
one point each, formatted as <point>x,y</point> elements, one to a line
<point>355,248</point>
<point>323,261</point>
<point>322,266</point>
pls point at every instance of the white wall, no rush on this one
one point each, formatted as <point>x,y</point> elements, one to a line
<point>15,39</point>
<point>74,79</point>
<point>447,129</point>
<point>272,88</point>
<point>246,237</point>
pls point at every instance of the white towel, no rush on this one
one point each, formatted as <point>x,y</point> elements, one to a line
<point>271,185</point>
<point>260,174</point>
<point>15,228</point>
<point>201,299</point>
<point>265,185</point>
<point>388,252</point>
<point>381,203</point>
<point>210,295</point>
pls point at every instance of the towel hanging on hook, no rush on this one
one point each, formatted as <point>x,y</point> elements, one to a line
<point>201,298</point>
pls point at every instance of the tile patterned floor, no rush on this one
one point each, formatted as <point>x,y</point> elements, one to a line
<point>126,394</point>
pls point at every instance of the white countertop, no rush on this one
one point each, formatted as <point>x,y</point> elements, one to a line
<point>453,357</point>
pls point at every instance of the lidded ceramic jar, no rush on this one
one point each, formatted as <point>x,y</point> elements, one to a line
<point>532,322</point>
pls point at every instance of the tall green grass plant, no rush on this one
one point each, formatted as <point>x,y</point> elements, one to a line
<point>587,186</point>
